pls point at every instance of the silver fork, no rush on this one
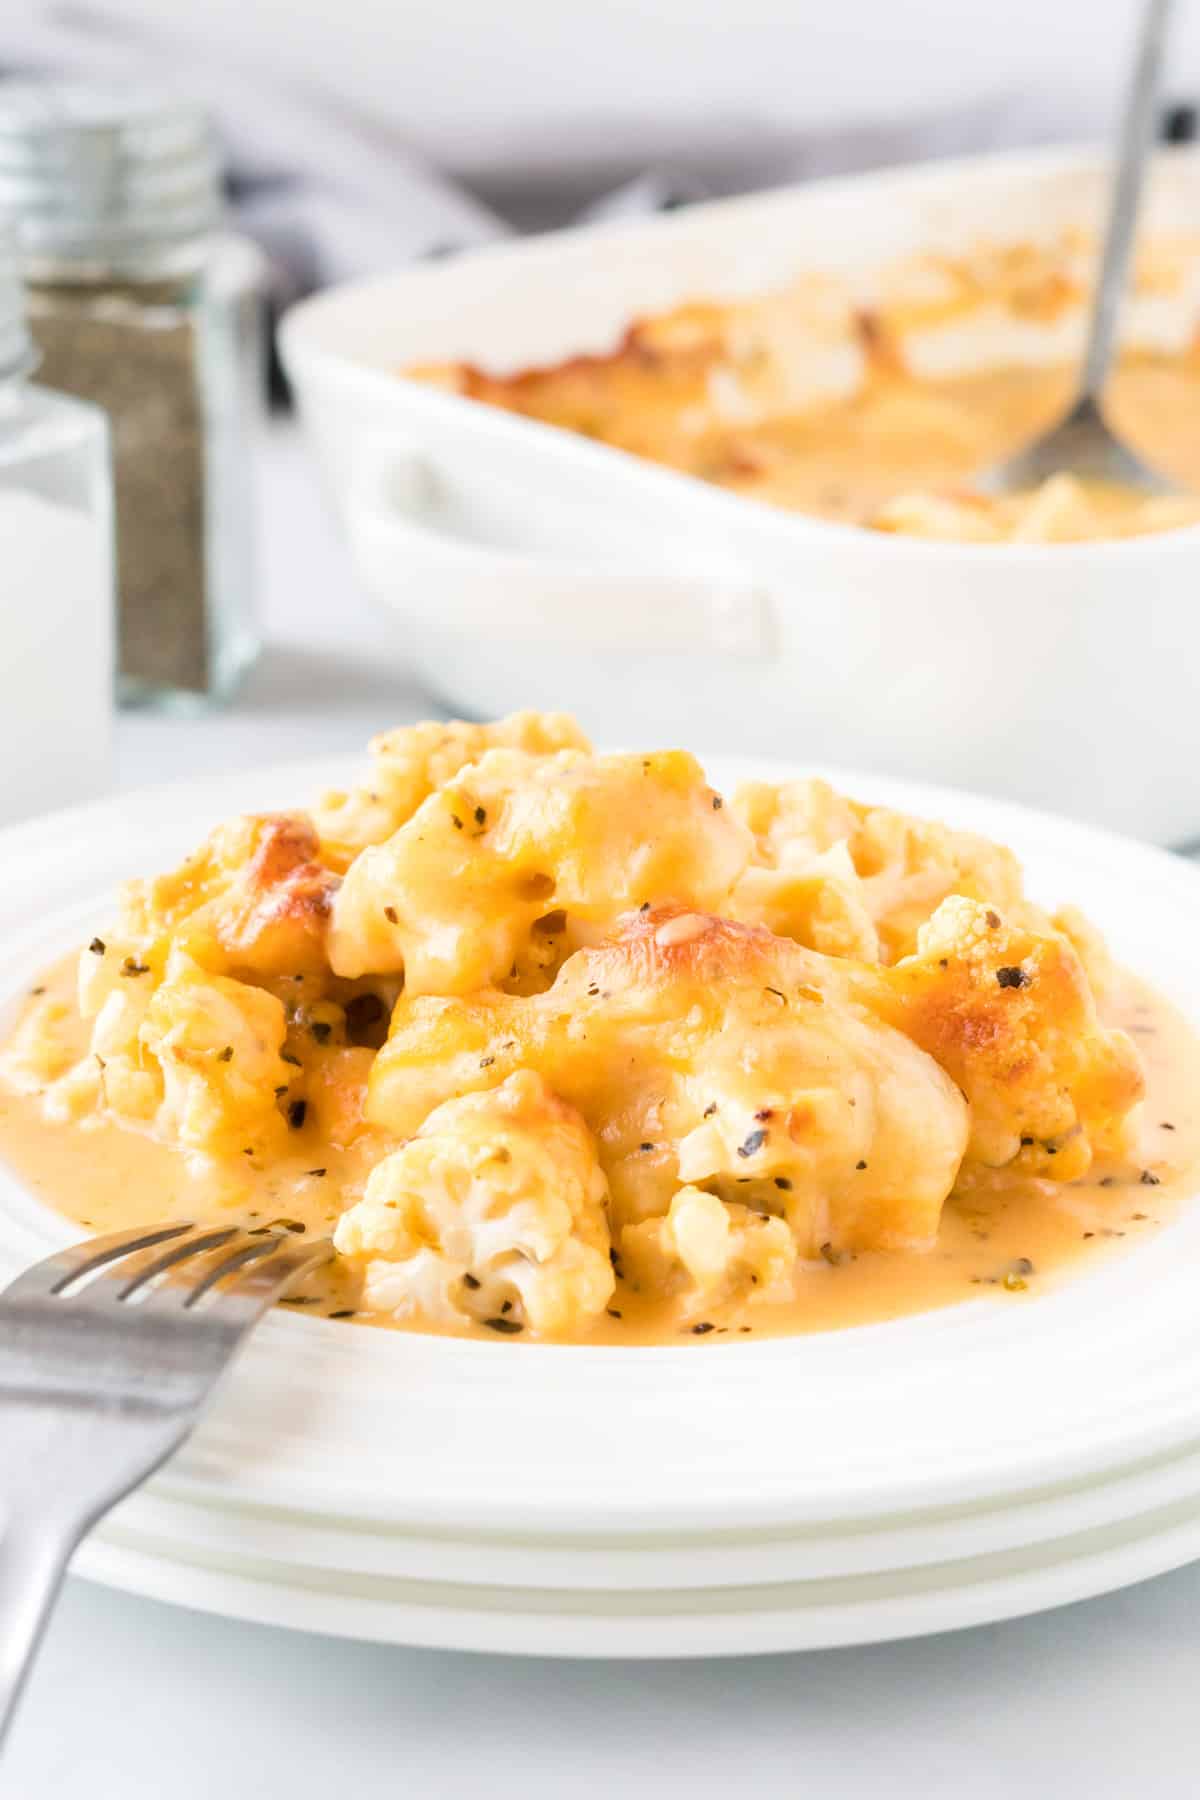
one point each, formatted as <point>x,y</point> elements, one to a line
<point>108,1353</point>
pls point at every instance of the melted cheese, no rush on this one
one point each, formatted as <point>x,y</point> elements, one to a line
<point>580,1047</point>
<point>995,1222</point>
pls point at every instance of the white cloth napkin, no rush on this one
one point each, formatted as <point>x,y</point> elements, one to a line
<point>331,192</point>
<point>326,196</point>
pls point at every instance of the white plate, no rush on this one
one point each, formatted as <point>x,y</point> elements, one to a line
<point>724,1621</point>
<point>172,1526</point>
<point>880,1455</point>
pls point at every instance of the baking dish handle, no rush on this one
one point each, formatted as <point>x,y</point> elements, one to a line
<point>415,561</point>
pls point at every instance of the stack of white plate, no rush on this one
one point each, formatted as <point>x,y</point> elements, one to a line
<point>725,1495</point>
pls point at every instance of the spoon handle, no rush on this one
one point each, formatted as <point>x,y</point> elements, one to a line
<point>1133,149</point>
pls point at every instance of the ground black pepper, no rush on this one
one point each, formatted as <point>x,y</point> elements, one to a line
<point>134,349</point>
<point>1012,977</point>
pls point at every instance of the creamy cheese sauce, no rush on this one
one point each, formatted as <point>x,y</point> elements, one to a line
<point>845,461</point>
<point>1001,1236</point>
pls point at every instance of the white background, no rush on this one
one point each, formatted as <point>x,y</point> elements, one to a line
<point>137,1701</point>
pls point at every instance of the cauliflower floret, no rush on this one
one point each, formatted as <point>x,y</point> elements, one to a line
<point>115,990</point>
<point>816,898</point>
<point>193,1058</point>
<point>229,946</point>
<point>711,1251</point>
<point>517,847</point>
<point>494,1211</point>
<point>1008,1012</point>
<point>706,1052</point>
<point>253,902</point>
<point>43,1047</point>
<point>900,868</point>
<point>409,764</point>
<point>216,1044</point>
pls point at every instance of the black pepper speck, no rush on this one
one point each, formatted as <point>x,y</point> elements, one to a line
<point>1012,977</point>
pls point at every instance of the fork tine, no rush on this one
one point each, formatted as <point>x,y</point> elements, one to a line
<point>147,1267</point>
<point>188,1285</point>
<point>55,1273</point>
<point>254,1270</point>
<point>268,1277</point>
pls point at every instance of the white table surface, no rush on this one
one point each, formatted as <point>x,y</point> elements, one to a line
<point>140,1701</point>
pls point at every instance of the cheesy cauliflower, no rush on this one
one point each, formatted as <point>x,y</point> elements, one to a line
<point>213,1011</point>
<point>414,761</point>
<point>875,399</point>
<point>493,1211</point>
<point>253,901</point>
<point>541,1019</point>
<point>703,1051</point>
<point>1009,1013</point>
<point>42,1047</point>
<point>710,1251</point>
<point>879,868</point>
<point>194,1058</point>
<point>517,847</point>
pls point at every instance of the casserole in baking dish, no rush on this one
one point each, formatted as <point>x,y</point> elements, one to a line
<point>852,399</point>
<point>534,566</point>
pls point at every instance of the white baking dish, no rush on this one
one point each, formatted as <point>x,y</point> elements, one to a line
<point>528,566</point>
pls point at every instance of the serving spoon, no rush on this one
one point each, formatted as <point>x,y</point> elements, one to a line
<point>1081,443</point>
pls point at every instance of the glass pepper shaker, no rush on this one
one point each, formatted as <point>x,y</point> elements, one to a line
<point>56,581</point>
<point>141,304</point>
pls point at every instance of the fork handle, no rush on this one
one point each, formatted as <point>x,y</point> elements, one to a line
<point>34,1553</point>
